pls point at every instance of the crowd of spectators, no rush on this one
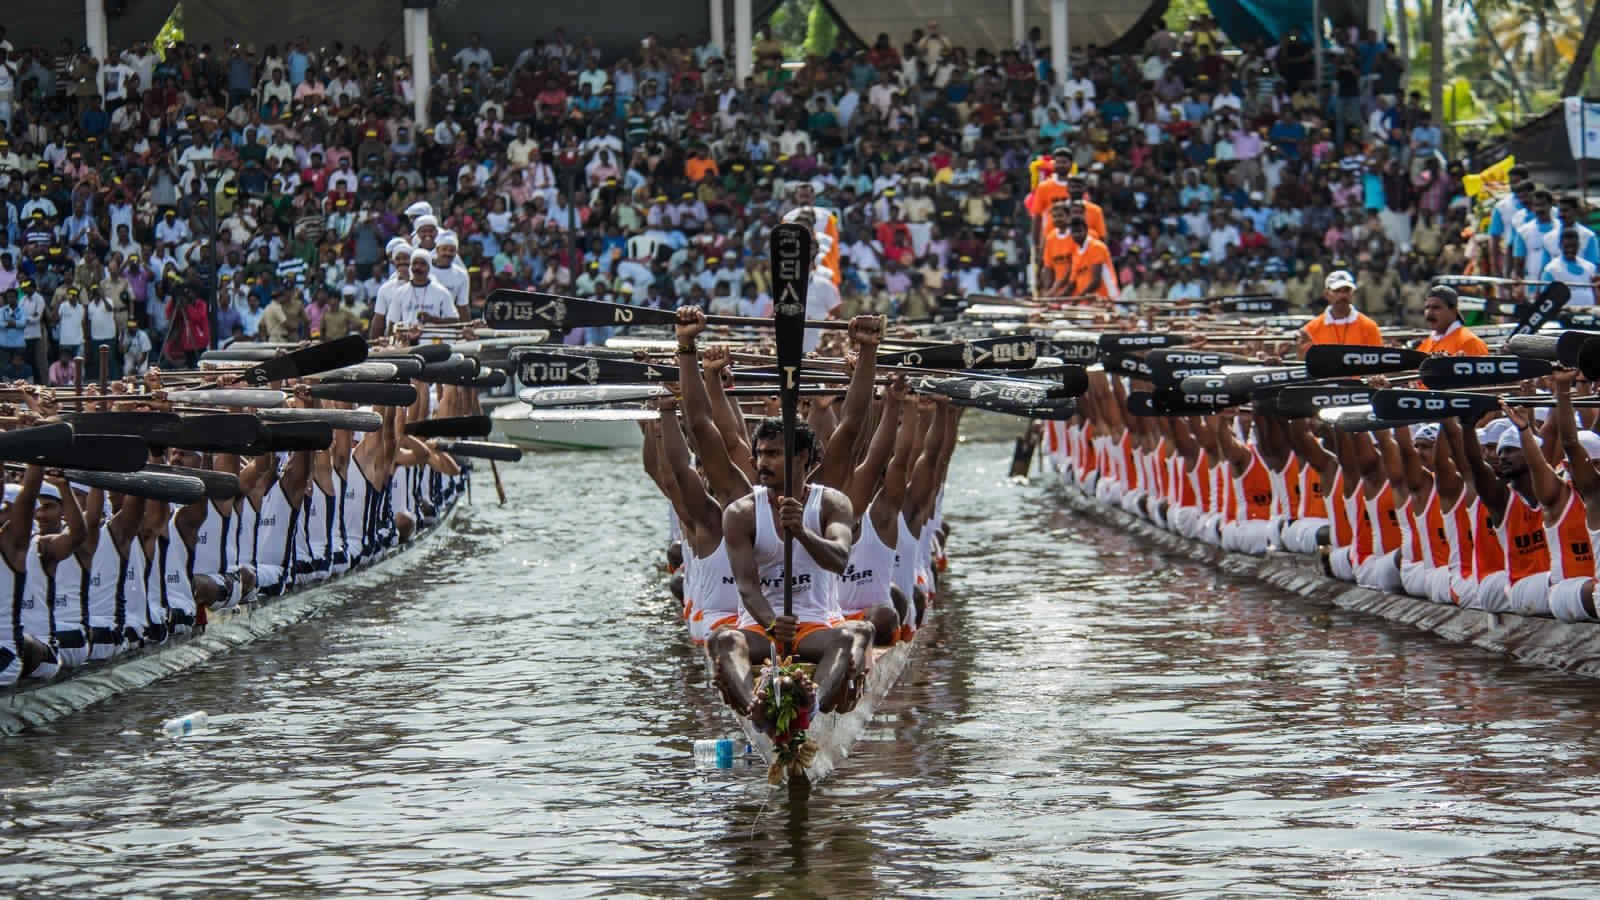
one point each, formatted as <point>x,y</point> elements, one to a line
<point>654,178</point>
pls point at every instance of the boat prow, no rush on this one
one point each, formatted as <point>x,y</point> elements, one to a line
<point>836,734</point>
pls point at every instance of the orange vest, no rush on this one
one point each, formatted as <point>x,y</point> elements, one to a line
<point>1522,539</point>
<point>1432,545</point>
<point>1254,492</point>
<point>1312,504</point>
<point>1568,540</point>
<point>1045,196</point>
<point>1488,554</point>
<point>1343,534</point>
<point>1059,250</point>
<point>1085,261</point>
<point>1363,331</point>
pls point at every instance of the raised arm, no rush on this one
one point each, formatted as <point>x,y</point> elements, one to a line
<point>1446,473</point>
<point>838,462</point>
<point>726,480</point>
<point>57,547</point>
<point>866,478</point>
<point>1491,490</point>
<point>1585,479</point>
<point>1547,487</point>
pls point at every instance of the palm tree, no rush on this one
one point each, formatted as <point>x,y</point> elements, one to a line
<point>1572,86</point>
<point>1487,28</point>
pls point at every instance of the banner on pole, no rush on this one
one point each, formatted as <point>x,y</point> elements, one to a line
<point>1583,128</point>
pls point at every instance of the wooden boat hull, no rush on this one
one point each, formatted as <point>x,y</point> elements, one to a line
<point>37,703</point>
<point>1566,646</point>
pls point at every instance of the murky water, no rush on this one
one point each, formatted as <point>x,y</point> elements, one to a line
<point>514,718</point>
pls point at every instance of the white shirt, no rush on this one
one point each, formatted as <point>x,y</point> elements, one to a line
<point>384,304</point>
<point>33,305</point>
<point>431,298</point>
<point>1578,273</point>
<point>69,331</point>
<point>454,279</point>
<point>102,321</point>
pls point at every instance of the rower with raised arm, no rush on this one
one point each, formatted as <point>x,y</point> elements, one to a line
<point>1510,508</point>
<point>57,542</point>
<point>1457,580</point>
<point>820,522</point>
<point>1572,599</point>
<point>1562,522</point>
<point>877,485</point>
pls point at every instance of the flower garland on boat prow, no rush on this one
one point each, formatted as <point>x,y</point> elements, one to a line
<point>785,716</point>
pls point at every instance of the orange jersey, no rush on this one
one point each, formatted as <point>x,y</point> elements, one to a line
<point>1384,519</point>
<point>1361,331</point>
<point>1046,195</point>
<point>1095,218</point>
<point>1432,545</point>
<point>1086,263</point>
<point>1343,534</point>
<point>1522,539</point>
<point>1458,535</point>
<point>1253,492</point>
<point>1489,555</point>
<point>1059,251</point>
<point>1568,540</point>
<point>1457,341</point>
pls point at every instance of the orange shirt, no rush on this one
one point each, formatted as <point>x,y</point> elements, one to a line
<point>698,169</point>
<point>1045,195</point>
<point>1059,250</point>
<point>1457,341</point>
<point>1085,262</point>
<point>1311,504</point>
<point>1432,544</point>
<point>1343,534</point>
<point>1522,539</point>
<point>1361,331</point>
<point>1489,556</point>
<point>1095,218</point>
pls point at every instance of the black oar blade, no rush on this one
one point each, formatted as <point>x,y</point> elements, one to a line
<point>1169,367</point>
<point>155,427</point>
<point>490,379</point>
<point>100,452</point>
<point>1448,373</point>
<point>531,310</point>
<point>1364,420</point>
<point>220,433</point>
<point>985,391</point>
<point>1432,405</point>
<point>1069,350</point>
<point>291,437</point>
<point>370,371</point>
<point>483,450</point>
<point>1248,381</point>
<point>335,354</point>
<point>588,395</point>
<point>453,426</point>
<point>428,353</point>
<point>1355,360</point>
<point>369,394</point>
<point>1133,342</point>
<point>219,485</point>
<point>1128,364</point>
<point>540,369</point>
<point>163,486</point>
<point>452,371</point>
<point>1570,344</point>
<point>36,443</point>
<point>791,254</point>
<point>1209,391</point>
<point>1254,306</point>
<point>1546,306</point>
<point>1306,400</point>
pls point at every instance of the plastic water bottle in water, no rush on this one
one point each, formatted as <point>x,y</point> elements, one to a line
<point>185,725</point>
<point>721,753</point>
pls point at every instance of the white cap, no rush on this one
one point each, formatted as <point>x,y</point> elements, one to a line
<point>424,221</point>
<point>1511,439</point>
<point>419,253</point>
<point>1590,442</point>
<point>402,249</point>
<point>419,208</point>
<point>1339,279</point>
<point>395,243</point>
<point>51,491</point>
<point>1489,434</point>
<point>1427,431</point>
<point>447,237</point>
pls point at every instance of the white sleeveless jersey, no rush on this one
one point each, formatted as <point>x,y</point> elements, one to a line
<point>924,560</point>
<point>275,523</point>
<point>70,597</point>
<point>244,531</point>
<point>175,571</point>
<point>866,580</point>
<point>12,584</point>
<point>905,557</point>
<point>213,553</point>
<point>134,605</point>
<point>716,595</point>
<point>311,537</point>
<point>816,590</point>
<point>105,583</point>
<point>35,608</point>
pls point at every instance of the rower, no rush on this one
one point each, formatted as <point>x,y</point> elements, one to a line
<point>1055,259</point>
<point>56,517</point>
<point>819,522</point>
<point>423,300</point>
<point>867,591</point>
<point>384,308</point>
<point>315,536</point>
<point>1565,533</point>
<point>1440,308</point>
<point>1093,273</point>
<point>1572,598</point>
<point>111,542</point>
<point>1510,505</point>
<point>24,648</point>
<point>1341,322</point>
<point>276,498</point>
<point>1456,581</point>
<point>1250,529</point>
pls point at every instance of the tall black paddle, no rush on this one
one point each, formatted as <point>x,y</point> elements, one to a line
<point>791,271</point>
